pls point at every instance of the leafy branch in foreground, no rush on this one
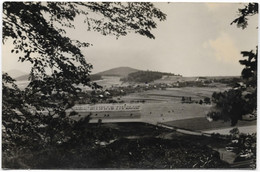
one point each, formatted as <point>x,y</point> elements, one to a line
<point>242,99</point>
<point>35,117</point>
<point>249,10</point>
<point>38,31</point>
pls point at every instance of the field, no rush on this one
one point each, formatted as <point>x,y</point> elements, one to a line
<point>175,94</point>
<point>110,81</point>
<point>166,105</point>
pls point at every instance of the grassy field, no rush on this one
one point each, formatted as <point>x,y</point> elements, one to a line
<point>169,111</point>
<point>175,94</point>
<point>109,81</point>
<point>166,105</point>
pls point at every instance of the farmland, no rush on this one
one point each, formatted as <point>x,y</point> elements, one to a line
<point>165,104</point>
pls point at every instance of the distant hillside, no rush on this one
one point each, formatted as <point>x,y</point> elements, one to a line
<point>22,78</point>
<point>145,76</point>
<point>25,77</point>
<point>95,77</point>
<point>120,71</point>
<point>15,73</point>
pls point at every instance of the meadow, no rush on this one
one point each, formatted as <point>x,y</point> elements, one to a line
<point>166,105</point>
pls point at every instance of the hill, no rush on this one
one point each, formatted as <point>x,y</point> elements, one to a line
<point>22,78</point>
<point>145,76</point>
<point>119,71</point>
<point>25,77</point>
<point>15,73</point>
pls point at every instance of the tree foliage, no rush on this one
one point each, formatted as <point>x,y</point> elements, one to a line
<point>249,73</point>
<point>242,99</point>
<point>38,32</point>
<point>249,10</point>
<point>231,104</point>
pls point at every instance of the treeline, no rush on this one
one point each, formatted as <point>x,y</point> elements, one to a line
<point>145,76</point>
<point>229,81</point>
<point>95,77</point>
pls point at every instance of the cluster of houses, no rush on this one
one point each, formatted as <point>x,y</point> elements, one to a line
<point>107,95</point>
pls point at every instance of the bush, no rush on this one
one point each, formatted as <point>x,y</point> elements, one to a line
<point>230,104</point>
<point>207,100</point>
<point>214,115</point>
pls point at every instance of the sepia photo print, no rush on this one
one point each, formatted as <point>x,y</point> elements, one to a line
<point>129,85</point>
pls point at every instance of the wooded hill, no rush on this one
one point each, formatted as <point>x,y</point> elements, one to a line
<point>145,76</point>
<point>119,71</point>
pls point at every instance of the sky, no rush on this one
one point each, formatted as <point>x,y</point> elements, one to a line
<point>195,40</point>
